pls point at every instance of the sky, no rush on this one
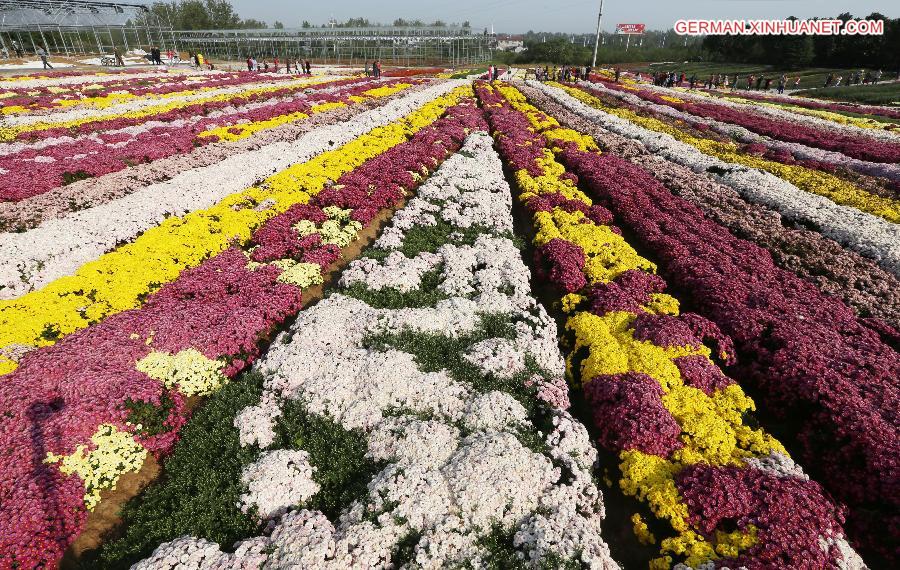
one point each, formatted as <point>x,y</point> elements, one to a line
<point>575,16</point>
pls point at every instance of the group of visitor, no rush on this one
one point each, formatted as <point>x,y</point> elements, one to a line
<point>155,56</point>
<point>725,81</point>
<point>861,77</point>
<point>374,70</point>
<point>566,73</point>
<point>295,66</point>
<point>196,59</point>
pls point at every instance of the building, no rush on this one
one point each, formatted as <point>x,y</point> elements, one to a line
<point>513,43</point>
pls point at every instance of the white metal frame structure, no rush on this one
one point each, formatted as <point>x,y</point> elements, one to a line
<point>406,46</point>
<point>73,27</point>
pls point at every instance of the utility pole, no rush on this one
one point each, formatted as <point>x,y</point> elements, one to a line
<point>597,40</point>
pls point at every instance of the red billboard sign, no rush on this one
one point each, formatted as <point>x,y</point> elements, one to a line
<point>630,28</point>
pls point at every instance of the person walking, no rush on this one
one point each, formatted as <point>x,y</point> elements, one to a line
<point>767,84</point>
<point>877,77</point>
<point>119,61</point>
<point>759,81</point>
<point>42,53</point>
<point>309,69</point>
<point>18,49</point>
<point>828,80</point>
<point>693,80</point>
<point>275,63</point>
<point>781,81</point>
<point>618,74</point>
<point>250,63</point>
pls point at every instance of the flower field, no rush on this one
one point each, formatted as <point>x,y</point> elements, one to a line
<point>254,320</point>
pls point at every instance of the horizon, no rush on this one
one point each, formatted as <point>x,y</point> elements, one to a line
<point>557,17</point>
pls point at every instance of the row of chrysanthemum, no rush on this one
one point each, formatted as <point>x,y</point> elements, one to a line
<point>858,281</point>
<point>35,169</point>
<point>102,398</point>
<point>809,175</point>
<point>433,356</point>
<point>658,399</point>
<point>787,334</point>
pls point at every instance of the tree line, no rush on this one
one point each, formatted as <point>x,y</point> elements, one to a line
<point>795,52</point>
<point>220,15</point>
<point>202,15</point>
<point>399,22</point>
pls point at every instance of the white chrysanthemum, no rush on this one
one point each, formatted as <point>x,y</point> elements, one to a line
<point>497,356</point>
<point>277,481</point>
<point>411,441</point>
<point>495,411</point>
<point>256,424</point>
<point>455,468</point>
<point>397,271</point>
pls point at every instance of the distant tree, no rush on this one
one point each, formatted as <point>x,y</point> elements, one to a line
<point>192,15</point>
<point>798,51</point>
<point>278,25</point>
<point>252,24</point>
<point>401,23</point>
<point>823,51</point>
<point>355,23</point>
<point>201,15</point>
<point>467,24</point>
<point>439,24</point>
<point>306,24</point>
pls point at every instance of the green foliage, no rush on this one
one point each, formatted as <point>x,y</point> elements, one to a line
<point>389,298</point>
<point>198,492</point>
<point>502,554</point>
<point>403,552</point>
<point>71,177</point>
<point>149,416</point>
<point>200,489</point>
<point>434,352</point>
<point>339,455</point>
<point>430,238</point>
